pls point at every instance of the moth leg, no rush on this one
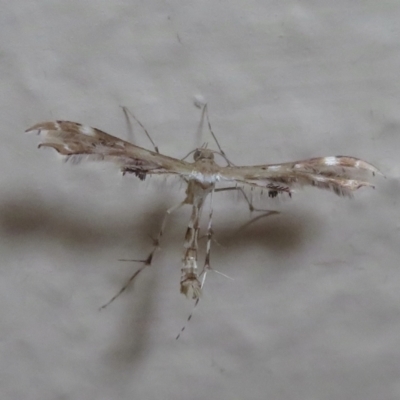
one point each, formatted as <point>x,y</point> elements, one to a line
<point>255,219</point>
<point>128,113</point>
<point>209,235</point>
<point>146,262</point>
<point>249,202</point>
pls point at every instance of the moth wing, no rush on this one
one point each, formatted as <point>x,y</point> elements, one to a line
<point>78,142</point>
<point>339,174</point>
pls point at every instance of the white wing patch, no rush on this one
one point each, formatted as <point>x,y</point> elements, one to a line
<point>331,161</point>
<point>87,130</point>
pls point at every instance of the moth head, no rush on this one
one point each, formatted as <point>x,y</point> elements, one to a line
<point>203,154</point>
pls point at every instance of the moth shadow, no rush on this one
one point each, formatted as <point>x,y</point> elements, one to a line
<point>278,234</point>
<point>131,342</point>
<point>28,218</point>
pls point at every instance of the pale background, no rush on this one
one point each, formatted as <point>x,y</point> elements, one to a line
<point>313,311</point>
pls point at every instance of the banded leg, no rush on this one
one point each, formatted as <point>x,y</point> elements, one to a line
<point>209,235</point>
<point>146,262</point>
<point>128,113</point>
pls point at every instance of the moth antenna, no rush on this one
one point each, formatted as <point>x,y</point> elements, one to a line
<point>128,113</point>
<point>205,110</point>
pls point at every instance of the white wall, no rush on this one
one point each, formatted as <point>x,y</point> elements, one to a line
<point>313,310</point>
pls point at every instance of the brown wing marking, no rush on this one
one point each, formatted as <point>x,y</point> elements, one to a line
<point>79,142</point>
<point>339,174</point>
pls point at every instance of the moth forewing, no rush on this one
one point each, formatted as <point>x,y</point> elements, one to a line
<point>81,142</point>
<point>336,173</point>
